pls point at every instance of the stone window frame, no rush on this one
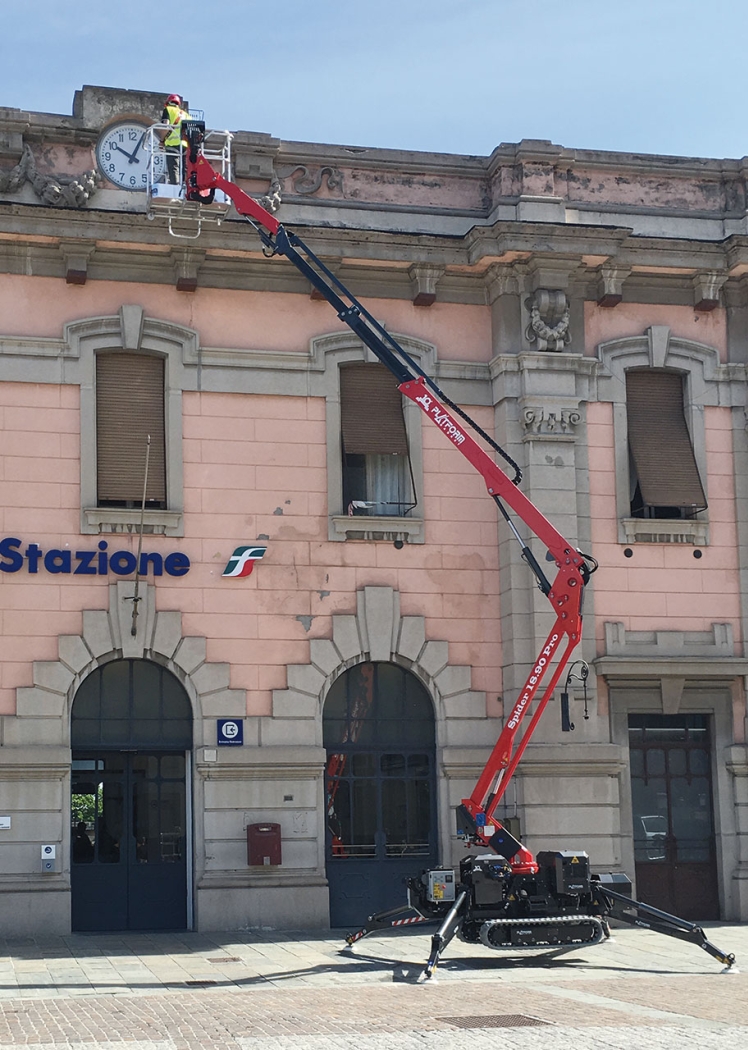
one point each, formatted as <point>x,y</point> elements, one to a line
<point>330,352</point>
<point>699,365</point>
<point>130,331</point>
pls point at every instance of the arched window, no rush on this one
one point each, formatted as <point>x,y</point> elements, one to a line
<point>130,704</point>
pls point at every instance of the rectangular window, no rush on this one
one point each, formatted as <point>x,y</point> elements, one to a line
<point>129,408</point>
<point>377,474</point>
<point>664,477</point>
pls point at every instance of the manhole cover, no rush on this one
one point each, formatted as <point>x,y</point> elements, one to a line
<point>495,1021</point>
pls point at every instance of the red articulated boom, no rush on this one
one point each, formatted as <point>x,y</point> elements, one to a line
<point>508,899</point>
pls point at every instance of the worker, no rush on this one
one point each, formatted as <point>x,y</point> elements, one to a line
<point>174,142</point>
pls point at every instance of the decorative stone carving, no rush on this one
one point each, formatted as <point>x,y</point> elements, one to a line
<point>272,200</point>
<point>76,255</point>
<point>550,422</point>
<point>549,320</point>
<point>506,279</point>
<point>64,191</point>
<point>309,181</point>
<point>610,284</point>
<point>107,635</point>
<point>187,262</point>
<point>376,632</point>
<point>706,289</point>
<point>423,282</point>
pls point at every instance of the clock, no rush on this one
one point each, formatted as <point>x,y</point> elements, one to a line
<point>124,156</point>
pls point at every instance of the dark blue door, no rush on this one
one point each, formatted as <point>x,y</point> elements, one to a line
<point>381,789</point>
<point>129,859</point>
<point>131,733</point>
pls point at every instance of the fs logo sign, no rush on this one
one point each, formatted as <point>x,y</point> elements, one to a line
<point>242,561</point>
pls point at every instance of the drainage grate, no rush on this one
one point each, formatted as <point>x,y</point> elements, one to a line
<point>201,983</point>
<point>224,959</point>
<point>495,1021</point>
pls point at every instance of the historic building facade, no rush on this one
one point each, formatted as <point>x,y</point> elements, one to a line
<point>260,620</point>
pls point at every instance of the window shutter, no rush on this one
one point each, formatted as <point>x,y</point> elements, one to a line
<point>129,407</point>
<point>659,441</point>
<point>371,411</point>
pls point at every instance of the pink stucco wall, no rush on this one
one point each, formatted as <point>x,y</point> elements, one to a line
<point>39,502</point>
<point>663,587</point>
<point>253,466</point>
<point>41,306</point>
<point>629,319</point>
<point>269,480</point>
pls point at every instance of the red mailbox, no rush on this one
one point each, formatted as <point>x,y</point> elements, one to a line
<point>263,844</point>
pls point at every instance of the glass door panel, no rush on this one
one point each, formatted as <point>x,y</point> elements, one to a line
<point>128,854</point>
<point>381,822</point>
<point>674,845</point>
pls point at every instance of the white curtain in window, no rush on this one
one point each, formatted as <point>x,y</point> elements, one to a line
<point>387,483</point>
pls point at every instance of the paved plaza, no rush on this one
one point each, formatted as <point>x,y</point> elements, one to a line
<point>259,989</point>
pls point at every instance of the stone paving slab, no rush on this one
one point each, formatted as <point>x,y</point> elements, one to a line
<point>147,963</point>
<point>259,988</point>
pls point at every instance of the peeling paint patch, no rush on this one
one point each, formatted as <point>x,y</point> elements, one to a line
<point>323,594</point>
<point>278,510</point>
<point>305,621</point>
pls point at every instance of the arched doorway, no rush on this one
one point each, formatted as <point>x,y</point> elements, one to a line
<point>381,788</point>
<point>131,734</point>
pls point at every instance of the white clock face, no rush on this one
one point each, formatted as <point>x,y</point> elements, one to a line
<point>123,156</point>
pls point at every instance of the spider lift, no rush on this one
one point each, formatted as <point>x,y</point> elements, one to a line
<point>506,899</point>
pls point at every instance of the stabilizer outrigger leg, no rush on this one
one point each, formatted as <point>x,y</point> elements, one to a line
<point>445,933</point>
<point>386,920</point>
<point>636,913</point>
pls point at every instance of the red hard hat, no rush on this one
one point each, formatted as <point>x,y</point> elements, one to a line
<point>175,98</point>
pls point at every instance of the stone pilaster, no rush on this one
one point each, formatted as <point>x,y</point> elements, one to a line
<point>540,419</point>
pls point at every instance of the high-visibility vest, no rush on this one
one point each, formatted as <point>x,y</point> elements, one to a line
<point>176,115</point>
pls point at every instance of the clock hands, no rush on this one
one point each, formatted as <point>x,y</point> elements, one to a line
<point>130,156</point>
<point>137,148</point>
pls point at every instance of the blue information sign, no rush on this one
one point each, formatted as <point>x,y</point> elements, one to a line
<point>230,731</point>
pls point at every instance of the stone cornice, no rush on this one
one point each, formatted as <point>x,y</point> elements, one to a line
<point>374,264</point>
<point>596,759</point>
<point>93,106</point>
<point>211,771</point>
<point>35,773</point>
<point>529,179</point>
<point>35,882</point>
<point>691,667</point>
<point>508,236</point>
<point>248,879</point>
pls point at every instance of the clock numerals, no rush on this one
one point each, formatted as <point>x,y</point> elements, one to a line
<point>124,158</point>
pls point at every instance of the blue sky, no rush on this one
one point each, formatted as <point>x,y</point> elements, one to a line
<point>452,76</point>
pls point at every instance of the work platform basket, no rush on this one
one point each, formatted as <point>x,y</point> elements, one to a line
<point>166,187</point>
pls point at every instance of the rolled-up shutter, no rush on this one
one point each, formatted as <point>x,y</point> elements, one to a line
<point>659,441</point>
<point>371,411</point>
<point>129,407</point>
